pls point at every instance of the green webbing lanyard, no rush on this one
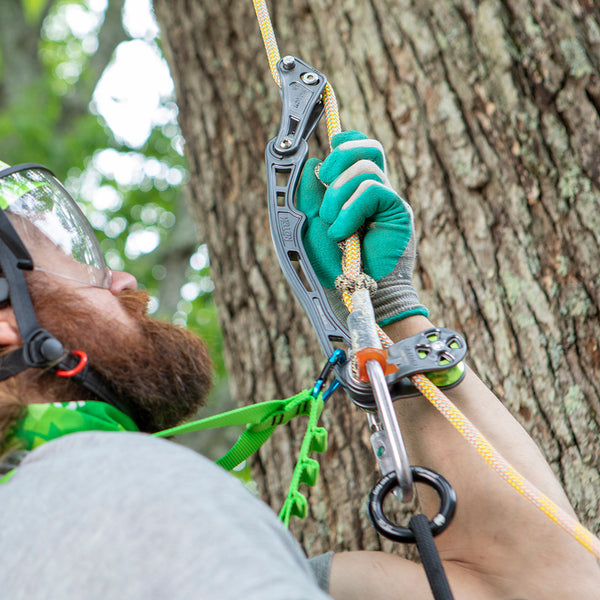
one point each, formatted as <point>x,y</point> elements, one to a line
<point>261,420</point>
<point>45,422</point>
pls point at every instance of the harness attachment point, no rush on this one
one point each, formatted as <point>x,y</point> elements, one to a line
<point>395,532</point>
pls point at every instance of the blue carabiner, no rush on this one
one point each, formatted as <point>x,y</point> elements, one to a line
<point>338,357</point>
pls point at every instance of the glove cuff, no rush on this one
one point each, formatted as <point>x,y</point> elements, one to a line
<point>396,300</point>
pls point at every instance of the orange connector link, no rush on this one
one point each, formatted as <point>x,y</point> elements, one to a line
<point>378,354</point>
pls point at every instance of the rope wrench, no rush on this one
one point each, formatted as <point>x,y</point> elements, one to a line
<point>383,375</point>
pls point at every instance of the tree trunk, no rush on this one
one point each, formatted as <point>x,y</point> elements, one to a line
<point>489,112</point>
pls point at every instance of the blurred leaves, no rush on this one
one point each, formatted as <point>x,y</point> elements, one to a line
<point>86,92</point>
<point>33,10</point>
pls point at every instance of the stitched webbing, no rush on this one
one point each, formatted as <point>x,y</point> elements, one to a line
<point>262,419</point>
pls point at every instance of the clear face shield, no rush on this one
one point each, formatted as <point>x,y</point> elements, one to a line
<point>52,226</point>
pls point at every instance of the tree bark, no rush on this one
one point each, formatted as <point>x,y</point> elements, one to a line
<point>489,112</point>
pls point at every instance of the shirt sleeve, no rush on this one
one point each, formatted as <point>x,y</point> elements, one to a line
<point>321,566</point>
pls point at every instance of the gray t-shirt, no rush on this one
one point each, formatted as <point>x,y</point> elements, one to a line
<point>124,516</point>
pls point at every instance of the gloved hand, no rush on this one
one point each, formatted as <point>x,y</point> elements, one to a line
<point>350,193</point>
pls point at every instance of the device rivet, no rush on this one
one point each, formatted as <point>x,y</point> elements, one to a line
<point>288,62</point>
<point>309,78</point>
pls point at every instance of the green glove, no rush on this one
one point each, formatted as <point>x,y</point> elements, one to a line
<point>350,193</point>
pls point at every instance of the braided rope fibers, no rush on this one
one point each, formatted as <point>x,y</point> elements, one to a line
<point>351,266</point>
<point>491,456</point>
<point>268,36</point>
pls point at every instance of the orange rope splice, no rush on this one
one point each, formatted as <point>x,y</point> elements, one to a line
<point>351,266</point>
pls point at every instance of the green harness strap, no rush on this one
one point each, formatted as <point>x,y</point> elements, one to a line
<point>45,422</point>
<point>261,420</point>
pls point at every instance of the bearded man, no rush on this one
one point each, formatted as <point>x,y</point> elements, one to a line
<point>95,508</point>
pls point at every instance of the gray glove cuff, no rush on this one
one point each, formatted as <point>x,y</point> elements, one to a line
<point>396,299</point>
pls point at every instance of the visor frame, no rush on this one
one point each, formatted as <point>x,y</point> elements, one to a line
<point>18,245</point>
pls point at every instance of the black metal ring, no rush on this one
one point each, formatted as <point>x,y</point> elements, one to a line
<point>397,533</point>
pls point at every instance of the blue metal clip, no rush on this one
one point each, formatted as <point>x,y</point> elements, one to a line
<point>338,357</point>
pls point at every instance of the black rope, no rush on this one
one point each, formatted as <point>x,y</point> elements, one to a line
<point>430,558</point>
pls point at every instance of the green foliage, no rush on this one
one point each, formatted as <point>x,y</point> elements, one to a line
<point>33,10</point>
<point>47,115</point>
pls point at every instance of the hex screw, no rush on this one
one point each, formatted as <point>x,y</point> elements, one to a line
<point>288,62</point>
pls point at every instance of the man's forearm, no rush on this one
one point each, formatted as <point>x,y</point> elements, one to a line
<point>495,529</point>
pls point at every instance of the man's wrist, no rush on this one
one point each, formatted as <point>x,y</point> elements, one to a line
<point>407,327</point>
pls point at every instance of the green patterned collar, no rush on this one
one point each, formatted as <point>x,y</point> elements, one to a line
<point>42,423</point>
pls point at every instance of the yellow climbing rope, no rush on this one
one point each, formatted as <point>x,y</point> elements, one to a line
<point>351,266</point>
<point>332,115</point>
<point>476,439</point>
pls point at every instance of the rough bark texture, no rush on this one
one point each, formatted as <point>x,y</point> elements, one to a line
<point>489,112</point>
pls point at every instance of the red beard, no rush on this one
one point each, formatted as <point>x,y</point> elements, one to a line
<point>162,370</point>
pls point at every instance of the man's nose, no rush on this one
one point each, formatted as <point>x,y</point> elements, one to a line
<point>122,281</point>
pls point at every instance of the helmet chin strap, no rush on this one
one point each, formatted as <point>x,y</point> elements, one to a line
<point>40,348</point>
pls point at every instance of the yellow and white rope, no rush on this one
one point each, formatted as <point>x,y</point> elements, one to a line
<point>268,36</point>
<point>332,114</point>
<point>351,266</point>
<point>503,468</point>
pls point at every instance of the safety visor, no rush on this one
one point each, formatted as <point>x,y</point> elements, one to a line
<point>51,225</point>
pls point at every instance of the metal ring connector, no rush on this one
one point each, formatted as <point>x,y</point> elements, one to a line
<point>395,532</point>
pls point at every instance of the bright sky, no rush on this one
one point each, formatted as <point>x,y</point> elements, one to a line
<point>134,94</point>
<point>131,93</point>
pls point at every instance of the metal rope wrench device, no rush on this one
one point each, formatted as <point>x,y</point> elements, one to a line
<point>302,89</point>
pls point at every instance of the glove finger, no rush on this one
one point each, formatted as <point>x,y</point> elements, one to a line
<point>346,136</point>
<point>324,254</point>
<point>348,153</point>
<point>362,167</point>
<point>310,190</point>
<point>371,202</point>
<point>383,246</point>
<point>336,198</point>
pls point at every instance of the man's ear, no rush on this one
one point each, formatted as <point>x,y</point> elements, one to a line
<point>9,330</point>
